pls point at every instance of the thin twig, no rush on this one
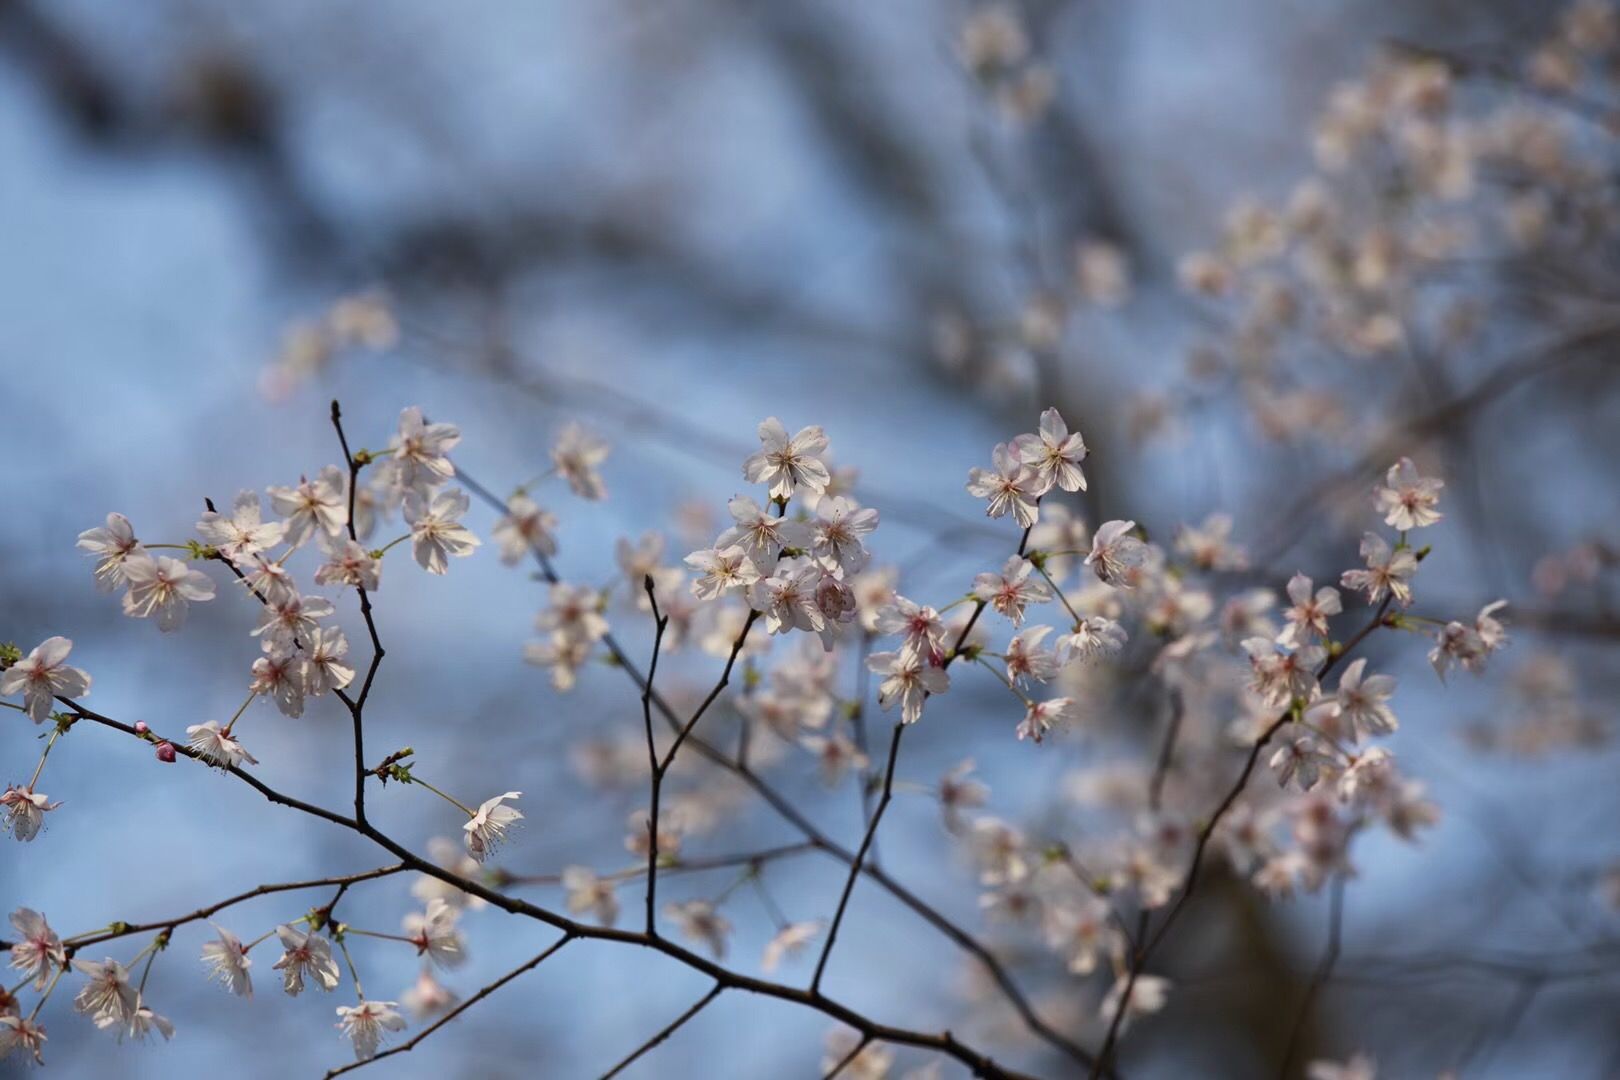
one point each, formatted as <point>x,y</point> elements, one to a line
<point>409,1045</point>
<point>665,1033</point>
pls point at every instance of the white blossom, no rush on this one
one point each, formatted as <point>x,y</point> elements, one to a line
<point>837,533</point>
<point>419,449</point>
<point>364,1024</point>
<point>216,746</point>
<point>319,506</point>
<point>25,810</point>
<point>227,962</point>
<point>788,942</point>
<point>111,545</point>
<point>1054,453</point>
<point>1408,500</point>
<point>305,955</point>
<point>243,533</point>
<point>1116,553</point>
<point>788,465</point>
<point>487,829</point>
<point>1012,590</point>
<point>1009,485</point>
<point>42,676</point>
<point>908,677</point>
<point>436,529</point>
<point>699,921</point>
<point>1389,570</point>
<point>38,951</point>
<point>163,587</point>
<point>435,935</point>
<point>525,529</point>
<point>576,455</point>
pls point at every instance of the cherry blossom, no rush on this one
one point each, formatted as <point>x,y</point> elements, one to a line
<point>564,654</point>
<point>305,955</point>
<point>435,935</point>
<point>1027,659</point>
<point>279,675</point>
<point>42,676</point>
<point>1408,500</point>
<point>1092,636</point>
<point>837,533</point>
<point>763,535</point>
<point>588,892</point>
<point>1080,932</point>
<point>348,563</point>
<point>1302,760</point>
<point>835,755</point>
<point>1359,702</point>
<point>788,465</point>
<point>1279,675</point>
<point>788,942</point>
<point>908,677</point>
<point>1389,570</point>
<point>1147,996</point>
<point>111,545</point>
<point>575,611</point>
<point>699,921</point>
<point>436,529</point>
<point>144,1021</point>
<point>1209,545</point>
<point>19,1034</point>
<point>268,579</point>
<point>524,530</point>
<point>419,449</point>
<point>1041,717</point>
<point>364,1024</point>
<point>1308,616</point>
<point>1054,453</point>
<point>319,506</point>
<point>25,811</point>
<point>163,587</point>
<point>215,746</point>
<point>428,996</point>
<point>107,998</point>
<point>1116,553</point>
<point>39,951</point>
<point>487,829</point>
<point>290,619</point>
<point>720,571</point>
<point>922,632</point>
<point>244,532</point>
<point>576,455</point>
<point>227,962</point>
<point>958,791</point>
<point>787,598</point>
<point>1011,486</point>
<point>324,668</point>
<point>1012,590</point>
<point>448,854</point>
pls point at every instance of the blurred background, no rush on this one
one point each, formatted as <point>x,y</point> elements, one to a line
<point>905,223</point>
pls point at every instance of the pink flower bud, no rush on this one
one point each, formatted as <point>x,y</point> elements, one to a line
<point>141,728</point>
<point>165,752</point>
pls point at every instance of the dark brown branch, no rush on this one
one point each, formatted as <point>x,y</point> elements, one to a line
<point>944,1042</point>
<point>123,929</point>
<point>1145,949</point>
<point>791,814</point>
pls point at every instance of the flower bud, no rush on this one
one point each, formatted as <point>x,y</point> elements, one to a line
<point>165,752</point>
<point>141,728</point>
